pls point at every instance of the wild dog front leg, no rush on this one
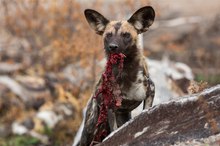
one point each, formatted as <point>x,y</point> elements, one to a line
<point>122,117</point>
<point>123,114</point>
<point>112,120</point>
<point>90,122</point>
<point>149,93</point>
<point>149,85</point>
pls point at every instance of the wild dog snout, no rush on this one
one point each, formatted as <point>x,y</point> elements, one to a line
<point>113,47</point>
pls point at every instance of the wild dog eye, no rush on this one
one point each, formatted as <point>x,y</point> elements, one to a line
<point>108,35</point>
<point>126,35</point>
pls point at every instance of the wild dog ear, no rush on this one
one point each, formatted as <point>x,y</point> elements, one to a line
<point>142,19</point>
<point>96,20</point>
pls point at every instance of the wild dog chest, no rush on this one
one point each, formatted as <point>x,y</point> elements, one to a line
<point>136,90</point>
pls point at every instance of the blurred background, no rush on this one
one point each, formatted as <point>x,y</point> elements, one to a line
<point>50,59</point>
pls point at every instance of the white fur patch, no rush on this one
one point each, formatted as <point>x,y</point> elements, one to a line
<point>97,26</point>
<point>138,25</point>
<point>49,117</point>
<point>137,90</point>
<point>148,102</point>
<point>100,27</point>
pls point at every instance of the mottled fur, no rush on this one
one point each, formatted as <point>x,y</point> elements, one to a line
<point>135,83</point>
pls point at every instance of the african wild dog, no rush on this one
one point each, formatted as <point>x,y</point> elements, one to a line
<point>134,82</point>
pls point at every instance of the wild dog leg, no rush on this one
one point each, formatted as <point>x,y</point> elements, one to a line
<point>149,93</point>
<point>122,117</point>
<point>90,123</point>
<point>112,120</point>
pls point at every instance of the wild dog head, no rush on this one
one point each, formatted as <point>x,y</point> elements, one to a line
<point>121,36</point>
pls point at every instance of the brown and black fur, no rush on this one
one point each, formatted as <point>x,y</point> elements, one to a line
<point>135,83</point>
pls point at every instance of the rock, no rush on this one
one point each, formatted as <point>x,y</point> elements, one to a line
<point>28,123</point>
<point>213,140</point>
<point>31,82</point>
<point>9,67</point>
<point>49,117</point>
<point>5,130</point>
<point>166,74</point>
<point>192,117</point>
<point>19,129</point>
<point>171,80</point>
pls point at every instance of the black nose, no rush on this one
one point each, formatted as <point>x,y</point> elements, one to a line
<point>113,47</point>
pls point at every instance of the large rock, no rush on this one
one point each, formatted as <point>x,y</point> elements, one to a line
<point>189,118</point>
